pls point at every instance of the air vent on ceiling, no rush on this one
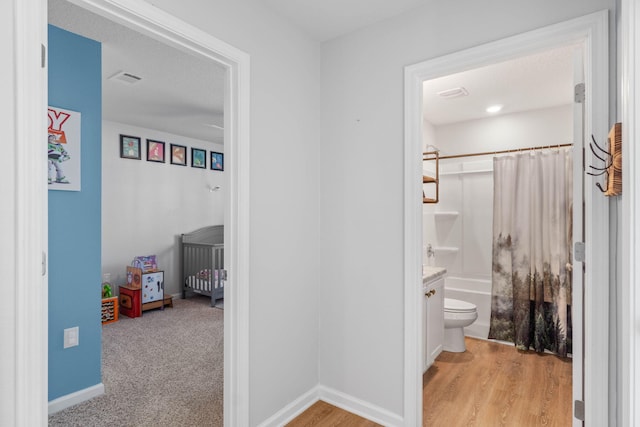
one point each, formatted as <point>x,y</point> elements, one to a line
<point>124,77</point>
<point>453,93</point>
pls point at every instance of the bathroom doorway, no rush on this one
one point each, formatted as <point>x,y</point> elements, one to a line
<point>505,116</point>
<point>590,32</point>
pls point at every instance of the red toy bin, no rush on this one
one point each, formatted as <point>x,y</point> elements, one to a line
<point>130,302</point>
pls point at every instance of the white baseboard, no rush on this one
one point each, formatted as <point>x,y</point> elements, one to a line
<point>80,396</point>
<point>292,410</point>
<point>360,407</point>
<point>336,398</point>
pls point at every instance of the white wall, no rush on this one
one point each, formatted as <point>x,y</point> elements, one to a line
<point>428,134</point>
<point>549,126</point>
<point>147,205</point>
<point>285,127</point>
<point>361,297</point>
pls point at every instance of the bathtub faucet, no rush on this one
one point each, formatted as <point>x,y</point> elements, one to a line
<point>430,251</point>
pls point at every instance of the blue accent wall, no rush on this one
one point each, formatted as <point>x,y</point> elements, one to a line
<point>74,220</point>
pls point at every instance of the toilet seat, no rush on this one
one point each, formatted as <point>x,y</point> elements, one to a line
<point>456,306</point>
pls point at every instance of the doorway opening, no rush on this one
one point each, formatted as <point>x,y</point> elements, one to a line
<point>167,116</point>
<point>234,64</point>
<point>591,32</point>
<point>533,125</point>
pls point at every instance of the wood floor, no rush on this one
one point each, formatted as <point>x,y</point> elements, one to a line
<point>491,384</point>
<point>324,414</point>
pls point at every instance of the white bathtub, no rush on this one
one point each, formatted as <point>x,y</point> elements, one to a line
<point>477,292</point>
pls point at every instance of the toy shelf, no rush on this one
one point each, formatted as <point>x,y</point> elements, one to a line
<point>109,310</point>
<point>428,179</point>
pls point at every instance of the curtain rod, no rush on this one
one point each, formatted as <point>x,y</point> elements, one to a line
<point>515,150</point>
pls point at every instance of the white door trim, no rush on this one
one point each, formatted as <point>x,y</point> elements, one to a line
<point>151,21</point>
<point>23,321</point>
<point>592,30</point>
<point>579,186</point>
<point>630,295</point>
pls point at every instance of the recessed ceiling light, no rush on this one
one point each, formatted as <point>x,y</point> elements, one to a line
<point>494,108</point>
<point>453,92</point>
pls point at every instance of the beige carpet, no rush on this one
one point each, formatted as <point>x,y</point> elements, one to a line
<point>162,369</point>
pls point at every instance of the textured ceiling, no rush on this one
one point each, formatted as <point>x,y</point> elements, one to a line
<point>179,92</point>
<point>533,82</point>
<point>327,19</point>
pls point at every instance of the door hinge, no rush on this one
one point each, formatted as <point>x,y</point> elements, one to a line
<point>43,56</point>
<point>44,263</point>
<point>578,410</point>
<point>579,93</point>
<point>579,252</point>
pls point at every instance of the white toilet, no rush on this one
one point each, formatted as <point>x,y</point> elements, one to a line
<point>457,315</point>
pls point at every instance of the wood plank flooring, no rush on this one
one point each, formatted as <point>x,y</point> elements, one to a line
<point>491,384</point>
<point>324,414</point>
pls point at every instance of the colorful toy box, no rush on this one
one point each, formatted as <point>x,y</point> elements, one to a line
<point>130,303</point>
<point>109,310</point>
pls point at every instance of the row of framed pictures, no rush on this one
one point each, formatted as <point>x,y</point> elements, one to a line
<point>130,148</point>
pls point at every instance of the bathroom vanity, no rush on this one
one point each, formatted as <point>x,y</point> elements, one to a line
<point>432,314</point>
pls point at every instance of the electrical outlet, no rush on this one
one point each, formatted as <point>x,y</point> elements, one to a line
<point>71,337</point>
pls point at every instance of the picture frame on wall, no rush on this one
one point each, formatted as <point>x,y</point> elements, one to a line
<point>178,155</point>
<point>198,158</point>
<point>130,147</point>
<point>217,161</point>
<point>155,151</point>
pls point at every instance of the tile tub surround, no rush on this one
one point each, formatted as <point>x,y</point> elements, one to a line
<point>432,273</point>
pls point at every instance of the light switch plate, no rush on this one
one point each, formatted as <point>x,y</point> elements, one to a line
<point>71,337</point>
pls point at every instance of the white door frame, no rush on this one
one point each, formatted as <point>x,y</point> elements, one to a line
<point>630,293</point>
<point>592,30</point>
<point>29,319</point>
<point>23,320</point>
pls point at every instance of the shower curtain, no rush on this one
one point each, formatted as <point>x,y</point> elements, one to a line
<point>532,237</point>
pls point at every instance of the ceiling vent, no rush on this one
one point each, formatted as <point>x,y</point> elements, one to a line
<point>453,93</point>
<point>124,77</point>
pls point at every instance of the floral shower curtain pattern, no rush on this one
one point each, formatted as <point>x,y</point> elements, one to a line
<point>532,238</point>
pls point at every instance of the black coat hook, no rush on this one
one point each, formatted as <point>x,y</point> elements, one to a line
<point>608,161</point>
